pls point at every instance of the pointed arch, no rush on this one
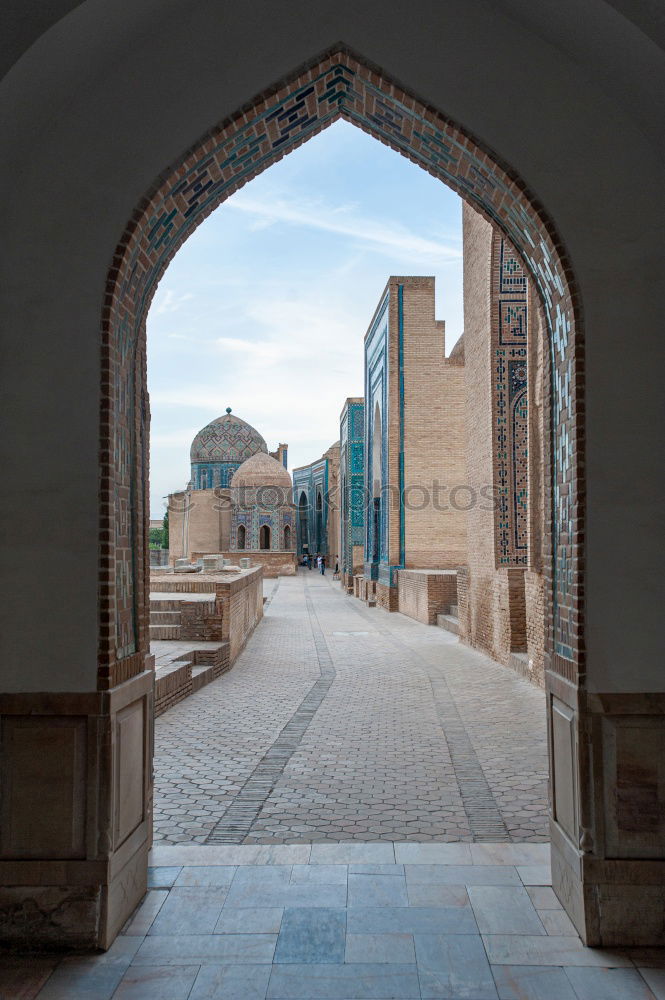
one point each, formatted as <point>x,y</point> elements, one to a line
<point>338,85</point>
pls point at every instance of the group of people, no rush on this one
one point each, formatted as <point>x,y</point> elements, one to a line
<point>308,562</point>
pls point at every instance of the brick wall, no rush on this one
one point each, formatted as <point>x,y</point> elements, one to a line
<point>423,594</point>
<point>501,613</point>
<point>386,597</point>
<point>434,437</point>
<point>274,563</point>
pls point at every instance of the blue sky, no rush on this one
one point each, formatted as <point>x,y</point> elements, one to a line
<point>265,307</point>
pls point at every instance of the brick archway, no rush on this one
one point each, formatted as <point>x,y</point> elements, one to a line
<point>338,85</point>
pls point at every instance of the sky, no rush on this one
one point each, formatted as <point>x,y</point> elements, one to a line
<point>265,307</point>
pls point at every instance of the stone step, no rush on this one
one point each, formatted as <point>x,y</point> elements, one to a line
<point>448,622</point>
<point>164,605</point>
<point>164,617</point>
<point>164,631</point>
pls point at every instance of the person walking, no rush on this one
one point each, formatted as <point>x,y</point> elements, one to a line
<point>322,565</point>
<point>336,573</point>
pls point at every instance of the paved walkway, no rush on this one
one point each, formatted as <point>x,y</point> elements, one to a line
<point>345,922</point>
<point>340,722</point>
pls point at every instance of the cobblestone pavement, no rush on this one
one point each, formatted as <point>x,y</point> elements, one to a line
<point>342,722</point>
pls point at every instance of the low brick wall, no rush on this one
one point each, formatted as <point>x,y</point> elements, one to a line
<point>238,601</point>
<point>463,602</point>
<point>423,594</point>
<point>386,597</point>
<point>180,679</point>
<point>274,563</point>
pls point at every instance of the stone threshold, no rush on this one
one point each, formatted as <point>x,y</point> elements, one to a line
<point>535,857</point>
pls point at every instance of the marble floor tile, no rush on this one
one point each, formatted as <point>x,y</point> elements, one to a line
<point>379,948</point>
<point>411,920</point>
<point>608,984</point>
<point>433,854</point>
<point>504,909</point>
<point>350,853</point>
<point>535,874</point>
<point>156,983</point>
<point>248,920</point>
<point>437,895</point>
<point>208,875</point>
<point>532,982</point>
<point>557,922</point>
<point>189,910</point>
<point>377,890</point>
<point>163,877</point>
<point>655,980</point>
<point>319,874</point>
<point>376,869</point>
<point>255,895</point>
<point>207,949</point>
<point>462,875</point>
<point>543,898</point>
<point>231,982</point>
<point>22,978</point>
<point>453,966</point>
<point>92,976</point>
<point>203,854</point>
<point>283,854</point>
<point>311,935</point>
<point>529,949</point>
<point>145,913</point>
<point>342,982</point>
<point>510,854</point>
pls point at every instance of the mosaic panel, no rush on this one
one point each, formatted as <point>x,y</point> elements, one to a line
<point>312,480</point>
<point>339,86</point>
<point>352,471</point>
<point>509,332</point>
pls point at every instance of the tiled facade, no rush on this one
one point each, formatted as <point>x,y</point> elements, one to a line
<point>352,489</point>
<point>414,428</point>
<point>316,500</point>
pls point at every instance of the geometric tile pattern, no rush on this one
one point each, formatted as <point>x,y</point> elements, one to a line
<point>352,468</point>
<point>339,85</point>
<point>509,334</point>
<point>312,524</point>
<point>220,448</point>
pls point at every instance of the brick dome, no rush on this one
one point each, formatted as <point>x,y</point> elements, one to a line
<point>261,470</point>
<point>226,439</point>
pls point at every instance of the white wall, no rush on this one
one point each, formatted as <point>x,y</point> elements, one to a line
<point>568,93</point>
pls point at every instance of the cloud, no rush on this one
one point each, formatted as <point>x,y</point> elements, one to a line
<point>170,301</point>
<point>343,220</point>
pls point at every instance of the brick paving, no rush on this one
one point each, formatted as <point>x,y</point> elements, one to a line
<point>339,722</point>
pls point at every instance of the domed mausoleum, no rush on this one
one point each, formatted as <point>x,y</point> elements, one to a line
<point>263,518</point>
<point>220,448</point>
<point>238,501</point>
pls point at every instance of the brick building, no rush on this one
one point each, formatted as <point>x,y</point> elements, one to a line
<point>352,503</point>
<point>238,501</point>
<point>316,498</point>
<point>414,429</point>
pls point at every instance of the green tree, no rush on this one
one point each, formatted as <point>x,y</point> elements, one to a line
<point>165,530</point>
<point>156,538</point>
